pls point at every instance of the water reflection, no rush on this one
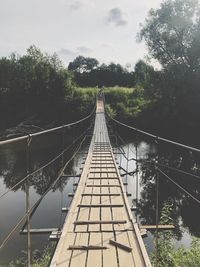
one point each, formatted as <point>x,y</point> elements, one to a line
<point>13,167</point>
<point>185,209</point>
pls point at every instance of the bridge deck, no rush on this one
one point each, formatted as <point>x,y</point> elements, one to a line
<point>99,229</point>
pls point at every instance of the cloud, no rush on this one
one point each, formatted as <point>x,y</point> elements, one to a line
<point>84,49</point>
<point>67,54</point>
<point>70,54</point>
<point>117,17</point>
<point>76,5</point>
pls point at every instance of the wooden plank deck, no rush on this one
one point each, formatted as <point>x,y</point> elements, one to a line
<point>99,229</point>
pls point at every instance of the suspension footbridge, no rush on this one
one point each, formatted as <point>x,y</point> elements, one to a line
<point>100,229</point>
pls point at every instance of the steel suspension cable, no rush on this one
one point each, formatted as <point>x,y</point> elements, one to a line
<point>179,186</point>
<point>141,161</point>
<point>44,166</point>
<point>155,137</point>
<point>174,169</point>
<point>24,137</point>
<point>34,207</point>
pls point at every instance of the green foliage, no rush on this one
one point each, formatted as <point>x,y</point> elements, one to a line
<point>38,259</point>
<point>168,255</point>
<point>83,64</point>
<point>125,103</point>
<point>88,72</point>
<point>172,34</point>
<point>84,100</point>
<point>32,84</point>
<point>147,78</point>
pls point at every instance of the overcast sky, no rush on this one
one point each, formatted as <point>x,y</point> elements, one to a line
<point>104,29</point>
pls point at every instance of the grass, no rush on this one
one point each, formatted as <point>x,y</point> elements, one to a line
<point>125,103</point>
<point>38,259</point>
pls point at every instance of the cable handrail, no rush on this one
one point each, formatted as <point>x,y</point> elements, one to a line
<point>149,162</point>
<point>34,207</point>
<point>44,166</point>
<point>24,137</point>
<point>155,137</point>
<point>179,186</point>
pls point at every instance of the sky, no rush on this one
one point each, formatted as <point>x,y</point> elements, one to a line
<point>104,29</point>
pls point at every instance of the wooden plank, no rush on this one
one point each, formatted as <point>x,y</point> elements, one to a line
<point>83,213</point>
<point>118,212</point>
<point>110,254</point>
<point>100,222</point>
<point>62,256</point>
<point>101,161</point>
<point>100,205</point>
<point>125,257</point>
<point>55,235</point>
<point>106,212</point>
<point>120,245</point>
<point>65,209</point>
<point>160,227</point>
<point>95,258</point>
<point>100,194</point>
<point>39,231</point>
<point>101,168</point>
<point>95,212</point>
<point>108,185</point>
<point>136,253</point>
<point>103,178</point>
<point>79,256</point>
<point>102,171</point>
<point>88,247</point>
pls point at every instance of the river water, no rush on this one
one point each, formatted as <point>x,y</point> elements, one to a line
<point>48,215</point>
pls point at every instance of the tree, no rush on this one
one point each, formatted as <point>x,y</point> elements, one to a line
<point>147,78</point>
<point>33,84</point>
<point>83,64</point>
<point>172,33</point>
<point>87,72</point>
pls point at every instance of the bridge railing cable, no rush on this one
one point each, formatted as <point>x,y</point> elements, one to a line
<point>178,185</point>
<point>25,137</point>
<point>34,207</point>
<point>149,162</point>
<point>42,167</point>
<point>155,137</point>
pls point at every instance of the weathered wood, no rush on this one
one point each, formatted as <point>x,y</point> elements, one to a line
<point>101,178</point>
<point>65,209</point>
<point>160,227</point>
<point>100,222</point>
<point>134,208</point>
<point>119,245</point>
<point>108,185</point>
<point>39,231</point>
<point>100,212</point>
<point>78,258</point>
<point>143,232</point>
<point>88,247</point>
<point>101,194</point>
<point>101,205</point>
<point>55,235</point>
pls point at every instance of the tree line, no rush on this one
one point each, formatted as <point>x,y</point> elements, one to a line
<point>88,72</point>
<point>37,84</point>
<point>32,84</point>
